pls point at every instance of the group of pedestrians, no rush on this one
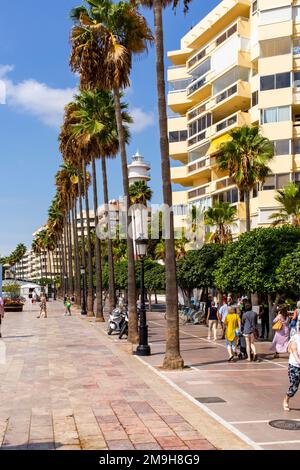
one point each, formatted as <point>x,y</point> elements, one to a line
<point>239,327</point>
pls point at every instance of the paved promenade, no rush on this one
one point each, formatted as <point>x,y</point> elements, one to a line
<point>66,385</point>
<point>243,396</point>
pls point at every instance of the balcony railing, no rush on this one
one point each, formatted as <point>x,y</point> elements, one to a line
<point>226,94</point>
<point>196,139</point>
<point>226,123</point>
<point>197,192</point>
<point>196,85</point>
<point>197,166</point>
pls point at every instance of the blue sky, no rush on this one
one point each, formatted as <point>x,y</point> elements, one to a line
<point>34,51</point>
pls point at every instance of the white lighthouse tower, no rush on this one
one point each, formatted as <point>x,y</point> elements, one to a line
<point>138,169</point>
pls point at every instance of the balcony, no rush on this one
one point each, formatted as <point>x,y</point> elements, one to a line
<point>236,96</point>
<point>240,27</point>
<point>200,191</point>
<point>200,88</point>
<point>238,119</point>
<point>179,175</point>
<point>177,72</point>
<point>178,101</point>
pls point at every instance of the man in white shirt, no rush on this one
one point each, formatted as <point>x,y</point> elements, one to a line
<point>223,314</point>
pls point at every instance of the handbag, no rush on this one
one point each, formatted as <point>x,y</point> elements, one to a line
<point>277,325</point>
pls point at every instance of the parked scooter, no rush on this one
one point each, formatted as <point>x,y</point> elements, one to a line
<point>124,327</point>
<point>117,318</point>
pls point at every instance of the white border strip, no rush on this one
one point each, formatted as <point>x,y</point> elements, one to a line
<point>207,410</point>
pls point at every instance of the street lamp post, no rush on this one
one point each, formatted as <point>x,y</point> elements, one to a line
<point>143,348</point>
<point>83,303</point>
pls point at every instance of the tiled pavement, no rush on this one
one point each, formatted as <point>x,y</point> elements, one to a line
<point>66,386</point>
<point>252,393</point>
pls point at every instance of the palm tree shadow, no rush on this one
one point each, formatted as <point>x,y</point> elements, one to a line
<point>50,445</point>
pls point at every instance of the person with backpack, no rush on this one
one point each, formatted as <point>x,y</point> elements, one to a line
<point>249,330</point>
<point>212,320</point>
<point>68,305</point>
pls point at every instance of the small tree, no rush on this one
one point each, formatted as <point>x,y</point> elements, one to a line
<point>288,272</point>
<point>250,264</point>
<point>155,279</point>
<point>196,268</point>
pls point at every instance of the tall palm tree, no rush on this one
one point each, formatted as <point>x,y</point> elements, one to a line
<point>246,157</point>
<point>173,359</point>
<point>222,216</point>
<point>77,155</point>
<point>105,37</point>
<point>289,212</point>
<point>95,124</point>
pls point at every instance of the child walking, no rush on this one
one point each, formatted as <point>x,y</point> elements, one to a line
<point>68,305</point>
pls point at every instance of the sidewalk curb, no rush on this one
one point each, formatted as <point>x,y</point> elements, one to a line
<point>217,431</point>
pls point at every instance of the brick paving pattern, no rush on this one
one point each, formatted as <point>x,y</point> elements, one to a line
<point>63,388</point>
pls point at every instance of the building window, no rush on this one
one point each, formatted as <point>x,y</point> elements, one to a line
<point>231,196</point>
<point>177,136</point>
<point>180,209</point>
<point>254,99</point>
<point>269,183</point>
<point>282,147</point>
<point>198,153</point>
<point>297,177</point>
<point>271,82</point>
<point>275,15</point>
<point>296,46</point>
<point>296,146</point>
<point>254,68</point>
<point>274,47</point>
<point>296,83</point>
<point>280,114</point>
<point>200,124</point>
<point>179,85</point>
<point>282,180</point>
<point>296,13</point>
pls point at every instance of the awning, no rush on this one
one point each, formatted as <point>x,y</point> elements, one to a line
<point>216,143</point>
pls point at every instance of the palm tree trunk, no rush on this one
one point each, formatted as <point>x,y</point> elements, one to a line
<point>133,335</point>
<point>70,257</point>
<point>76,254</point>
<point>65,254</point>
<point>173,359</point>
<point>90,299</point>
<point>99,298</point>
<point>111,274</point>
<point>83,257</point>
<point>247,206</point>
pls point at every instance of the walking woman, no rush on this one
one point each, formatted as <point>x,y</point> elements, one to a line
<point>212,320</point>
<point>43,307</point>
<point>249,323</point>
<point>293,370</point>
<point>232,325</point>
<point>282,332</point>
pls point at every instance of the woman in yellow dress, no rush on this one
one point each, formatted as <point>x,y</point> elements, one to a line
<point>232,324</point>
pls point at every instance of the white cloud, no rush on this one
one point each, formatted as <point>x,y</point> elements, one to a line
<point>5,69</point>
<point>141,120</point>
<point>36,99</point>
<point>47,104</point>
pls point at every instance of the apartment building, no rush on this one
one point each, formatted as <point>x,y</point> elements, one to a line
<point>240,65</point>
